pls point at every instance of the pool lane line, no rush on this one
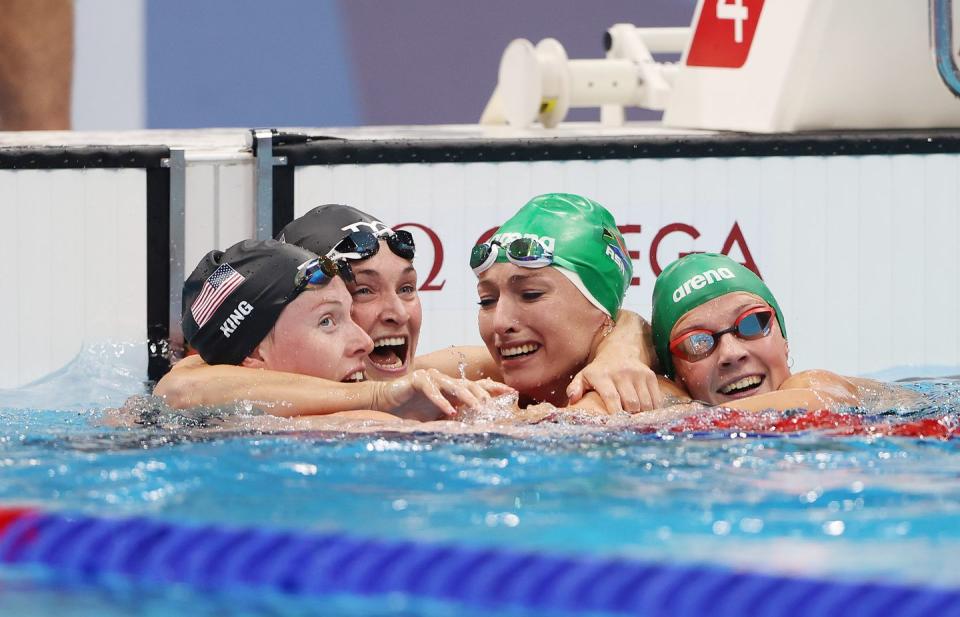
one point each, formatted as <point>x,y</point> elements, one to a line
<point>221,558</point>
<point>830,422</point>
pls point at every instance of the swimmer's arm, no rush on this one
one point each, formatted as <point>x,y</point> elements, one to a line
<point>475,361</point>
<point>419,395</point>
<point>358,420</point>
<point>672,395</point>
<point>194,383</point>
<point>621,369</point>
<point>881,395</point>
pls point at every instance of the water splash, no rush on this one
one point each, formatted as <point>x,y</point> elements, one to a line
<point>101,375</point>
<point>499,409</point>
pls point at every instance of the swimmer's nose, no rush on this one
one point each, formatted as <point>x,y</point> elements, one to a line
<point>360,342</point>
<point>505,318</point>
<point>731,350</point>
<point>394,309</point>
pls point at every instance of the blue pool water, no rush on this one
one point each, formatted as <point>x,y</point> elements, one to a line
<point>809,503</point>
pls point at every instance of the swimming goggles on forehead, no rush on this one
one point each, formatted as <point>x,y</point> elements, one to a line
<point>363,244</point>
<point>523,252</point>
<point>697,345</point>
<point>316,273</point>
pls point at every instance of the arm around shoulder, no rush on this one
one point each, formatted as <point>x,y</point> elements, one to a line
<point>620,368</point>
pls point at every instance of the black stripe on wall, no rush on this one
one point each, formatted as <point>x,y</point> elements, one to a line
<point>102,157</point>
<point>325,150</point>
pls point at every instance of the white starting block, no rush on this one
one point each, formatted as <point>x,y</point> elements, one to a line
<point>751,65</point>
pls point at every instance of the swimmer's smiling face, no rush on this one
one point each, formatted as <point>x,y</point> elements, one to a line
<point>387,306</point>
<point>538,327</point>
<point>737,368</point>
<point>315,335</point>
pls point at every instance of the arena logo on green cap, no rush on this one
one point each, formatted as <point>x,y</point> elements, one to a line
<point>699,281</point>
<point>548,242</point>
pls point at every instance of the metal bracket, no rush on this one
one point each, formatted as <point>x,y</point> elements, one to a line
<point>941,29</point>
<point>178,215</point>
<point>263,218</point>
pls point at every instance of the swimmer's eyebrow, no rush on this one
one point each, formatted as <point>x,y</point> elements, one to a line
<point>321,301</point>
<point>739,311</point>
<point>515,280</point>
<point>522,278</point>
<point>745,305</point>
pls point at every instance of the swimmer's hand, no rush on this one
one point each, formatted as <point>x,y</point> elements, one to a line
<point>430,395</point>
<point>621,371</point>
<point>624,384</point>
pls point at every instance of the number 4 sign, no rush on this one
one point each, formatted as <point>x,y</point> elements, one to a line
<point>724,33</point>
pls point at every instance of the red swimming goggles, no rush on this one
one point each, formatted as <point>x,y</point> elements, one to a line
<point>697,345</point>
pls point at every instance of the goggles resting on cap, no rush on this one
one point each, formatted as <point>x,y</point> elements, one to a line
<point>363,244</point>
<point>317,273</point>
<point>523,252</point>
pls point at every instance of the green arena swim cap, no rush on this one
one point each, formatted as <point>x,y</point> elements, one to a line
<point>694,280</point>
<point>587,246</point>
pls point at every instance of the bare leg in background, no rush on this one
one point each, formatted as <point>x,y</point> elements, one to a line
<point>36,64</point>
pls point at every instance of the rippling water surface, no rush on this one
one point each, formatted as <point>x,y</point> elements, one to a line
<point>809,503</point>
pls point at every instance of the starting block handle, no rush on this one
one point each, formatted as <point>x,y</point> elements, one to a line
<point>941,25</point>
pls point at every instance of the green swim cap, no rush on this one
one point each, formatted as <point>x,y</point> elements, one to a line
<point>694,280</point>
<point>587,246</point>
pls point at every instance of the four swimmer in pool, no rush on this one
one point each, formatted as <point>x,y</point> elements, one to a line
<point>289,324</point>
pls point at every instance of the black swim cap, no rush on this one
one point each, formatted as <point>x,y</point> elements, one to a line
<point>323,227</point>
<point>233,298</point>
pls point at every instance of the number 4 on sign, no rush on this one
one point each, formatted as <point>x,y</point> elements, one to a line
<point>733,9</point>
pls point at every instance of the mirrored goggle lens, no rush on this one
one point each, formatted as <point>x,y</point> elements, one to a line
<point>754,325</point>
<point>318,272</point>
<point>482,257</point>
<point>525,249</point>
<point>529,253</point>
<point>695,346</point>
<point>401,243</point>
<point>357,245</point>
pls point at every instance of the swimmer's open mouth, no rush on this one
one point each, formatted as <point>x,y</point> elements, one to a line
<point>390,352</point>
<point>354,377</point>
<point>518,351</point>
<point>744,385</point>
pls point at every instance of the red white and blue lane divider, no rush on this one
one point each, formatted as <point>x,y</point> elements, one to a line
<point>832,423</point>
<point>215,558</point>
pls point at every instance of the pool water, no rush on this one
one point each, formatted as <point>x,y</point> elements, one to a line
<point>810,503</point>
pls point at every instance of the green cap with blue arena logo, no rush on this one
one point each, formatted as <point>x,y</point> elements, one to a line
<point>694,280</point>
<point>586,245</point>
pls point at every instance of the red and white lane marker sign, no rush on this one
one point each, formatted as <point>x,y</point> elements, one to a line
<point>724,33</point>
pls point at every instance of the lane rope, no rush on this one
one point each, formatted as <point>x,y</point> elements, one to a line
<point>215,557</point>
<point>830,422</point>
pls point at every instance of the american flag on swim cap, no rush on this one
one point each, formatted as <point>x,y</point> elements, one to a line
<point>215,290</point>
